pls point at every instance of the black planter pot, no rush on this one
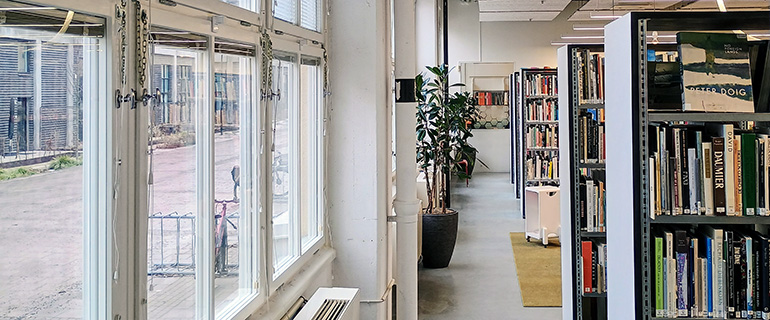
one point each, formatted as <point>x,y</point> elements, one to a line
<point>439,234</point>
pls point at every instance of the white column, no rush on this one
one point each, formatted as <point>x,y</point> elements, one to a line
<point>358,149</point>
<point>38,97</point>
<point>427,30</point>
<point>406,204</point>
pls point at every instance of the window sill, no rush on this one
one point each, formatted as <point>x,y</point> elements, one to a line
<point>282,299</point>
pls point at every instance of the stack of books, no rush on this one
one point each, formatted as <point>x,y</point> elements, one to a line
<point>594,266</point>
<point>591,75</point>
<point>540,85</point>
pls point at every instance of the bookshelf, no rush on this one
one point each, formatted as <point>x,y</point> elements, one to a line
<point>633,226</point>
<point>516,151</point>
<point>537,136</point>
<point>581,157</point>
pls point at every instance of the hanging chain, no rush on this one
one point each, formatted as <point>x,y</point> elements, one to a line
<point>326,91</point>
<point>267,65</point>
<point>121,15</point>
<point>142,34</point>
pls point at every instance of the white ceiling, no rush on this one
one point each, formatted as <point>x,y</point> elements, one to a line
<point>547,10</point>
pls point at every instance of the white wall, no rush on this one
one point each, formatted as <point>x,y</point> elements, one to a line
<point>527,44</point>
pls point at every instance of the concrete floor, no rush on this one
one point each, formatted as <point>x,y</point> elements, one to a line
<point>480,282</point>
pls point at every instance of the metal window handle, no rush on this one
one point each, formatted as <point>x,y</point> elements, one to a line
<point>129,97</point>
<point>146,97</point>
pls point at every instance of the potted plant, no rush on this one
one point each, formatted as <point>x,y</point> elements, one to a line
<point>442,143</point>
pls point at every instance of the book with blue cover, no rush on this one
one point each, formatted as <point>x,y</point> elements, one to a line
<point>716,72</point>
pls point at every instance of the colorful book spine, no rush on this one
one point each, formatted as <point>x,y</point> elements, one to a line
<point>749,170</point>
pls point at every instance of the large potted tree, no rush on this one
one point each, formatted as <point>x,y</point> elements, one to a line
<point>442,143</point>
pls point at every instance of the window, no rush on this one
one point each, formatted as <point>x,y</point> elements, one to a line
<point>48,209</point>
<point>23,58</point>
<point>235,251</point>
<point>311,142</point>
<point>308,15</point>
<point>252,5</point>
<point>179,68</point>
<point>284,165</point>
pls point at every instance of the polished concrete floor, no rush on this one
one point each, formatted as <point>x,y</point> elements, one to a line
<point>480,282</point>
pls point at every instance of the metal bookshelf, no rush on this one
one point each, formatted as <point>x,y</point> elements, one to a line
<point>629,230</point>
<point>573,297</point>
<point>523,123</point>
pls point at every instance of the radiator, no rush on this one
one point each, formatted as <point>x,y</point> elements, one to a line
<point>331,304</point>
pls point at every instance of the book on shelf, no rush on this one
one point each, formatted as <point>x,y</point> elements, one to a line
<point>694,170</point>
<point>594,266</point>
<point>542,110</point>
<point>542,165</point>
<point>759,54</point>
<point>591,130</point>
<point>593,203</point>
<point>716,73</point>
<point>665,86</point>
<point>492,98</point>
<point>542,136</point>
<point>540,84</point>
<point>591,75</point>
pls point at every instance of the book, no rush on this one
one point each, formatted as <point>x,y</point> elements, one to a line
<point>738,175</point>
<point>665,85</point>
<point>708,186</point>
<point>710,277</point>
<point>728,133</point>
<point>730,267</point>
<point>749,170</point>
<point>719,176</point>
<point>718,273</point>
<point>682,249</point>
<point>587,257</point>
<point>716,74</point>
<point>659,281</point>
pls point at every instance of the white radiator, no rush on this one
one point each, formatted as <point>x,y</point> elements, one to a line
<point>331,304</point>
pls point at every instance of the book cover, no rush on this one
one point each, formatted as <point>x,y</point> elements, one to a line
<point>728,133</point>
<point>716,74</point>
<point>708,186</point>
<point>719,176</point>
<point>749,173</point>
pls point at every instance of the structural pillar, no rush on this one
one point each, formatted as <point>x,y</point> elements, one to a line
<point>406,204</point>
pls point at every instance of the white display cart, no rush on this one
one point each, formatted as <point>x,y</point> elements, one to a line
<point>542,213</point>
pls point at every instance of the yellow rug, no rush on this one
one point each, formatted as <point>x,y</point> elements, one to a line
<point>538,270</point>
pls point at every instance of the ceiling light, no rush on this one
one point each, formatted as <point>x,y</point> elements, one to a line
<point>604,16</point>
<point>721,4</point>
<point>27,8</point>
<point>582,37</point>
<point>587,27</point>
<point>564,43</point>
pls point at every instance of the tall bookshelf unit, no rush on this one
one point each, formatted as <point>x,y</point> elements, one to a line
<point>538,137</point>
<point>581,158</point>
<point>630,227</point>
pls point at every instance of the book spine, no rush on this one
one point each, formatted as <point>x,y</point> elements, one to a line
<point>678,198</point>
<point>750,276</point>
<point>708,184</point>
<point>659,288</point>
<point>692,163</point>
<point>719,176</point>
<point>682,248</point>
<point>737,175</point>
<point>749,173</point>
<point>710,277</point>
<point>720,275</point>
<point>729,169</point>
<point>684,174</point>
<point>730,274</point>
<point>587,259</point>
<point>765,277</point>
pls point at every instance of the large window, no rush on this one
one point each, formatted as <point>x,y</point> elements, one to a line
<point>284,173</point>
<point>252,5</point>
<point>235,226</point>
<point>305,13</point>
<point>179,69</point>
<point>49,97</point>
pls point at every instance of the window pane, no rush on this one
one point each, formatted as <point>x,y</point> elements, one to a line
<point>252,5</point>
<point>310,14</point>
<point>285,10</point>
<point>234,214</point>
<point>48,97</point>
<point>284,150</point>
<point>179,72</point>
<point>309,151</point>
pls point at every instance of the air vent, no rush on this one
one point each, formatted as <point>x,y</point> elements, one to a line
<point>331,309</point>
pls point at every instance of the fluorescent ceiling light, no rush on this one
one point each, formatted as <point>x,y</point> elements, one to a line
<point>604,16</point>
<point>27,8</point>
<point>587,27</point>
<point>582,37</point>
<point>721,4</point>
<point>53,25</point>
<point>564,43</point>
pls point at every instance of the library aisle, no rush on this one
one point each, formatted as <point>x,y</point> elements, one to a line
<point>480,282</point>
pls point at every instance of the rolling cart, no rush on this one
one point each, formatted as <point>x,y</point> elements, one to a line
<point>542,213</point>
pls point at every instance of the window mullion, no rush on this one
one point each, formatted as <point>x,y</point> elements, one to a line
<point>204,282</point>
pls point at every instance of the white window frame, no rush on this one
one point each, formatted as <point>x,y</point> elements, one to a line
<point>316,156</point>
<point>99,150</point>
<point>227,10</point>
<point>295,29</point>
<point>278,277</point>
